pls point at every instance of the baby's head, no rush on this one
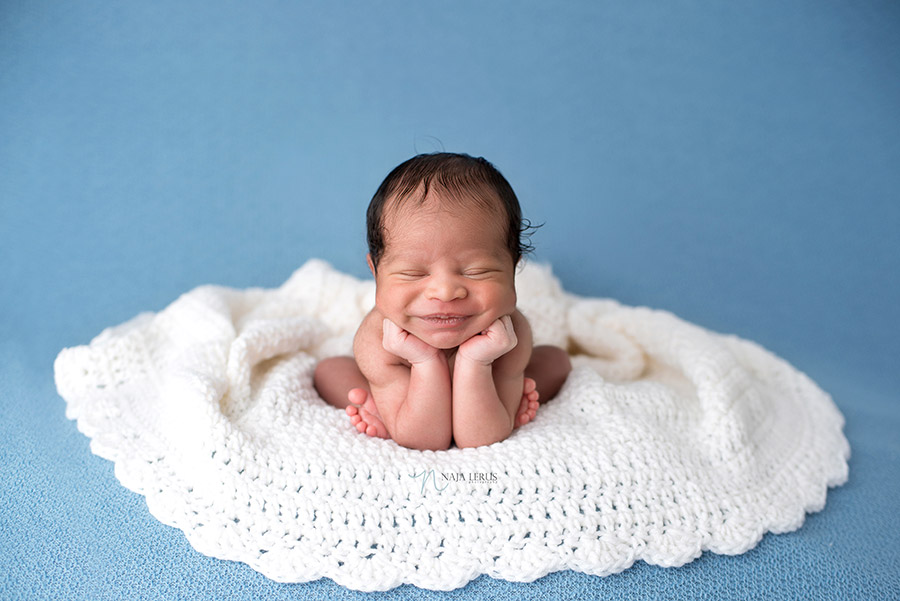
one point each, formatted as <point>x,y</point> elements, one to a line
<point>458,181</point>
<point>445,234</point>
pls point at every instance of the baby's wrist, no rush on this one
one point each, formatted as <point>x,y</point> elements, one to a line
<point>478,361</point>
<point>427,358</point>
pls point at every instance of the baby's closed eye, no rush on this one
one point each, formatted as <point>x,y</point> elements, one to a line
<point>479,273</point>
<point>410,275</point>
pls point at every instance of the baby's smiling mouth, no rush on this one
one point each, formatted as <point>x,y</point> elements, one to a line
<point>446,320</point>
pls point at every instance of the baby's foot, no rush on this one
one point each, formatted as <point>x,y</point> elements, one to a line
<point>364,414</point>
<point>529,405</point>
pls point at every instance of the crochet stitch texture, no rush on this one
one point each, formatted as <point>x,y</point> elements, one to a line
<point>666,440</point>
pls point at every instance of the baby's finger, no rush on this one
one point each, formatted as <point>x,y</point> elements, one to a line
<point>499,324</point>
<point>390,328</point>
<point>393,335</point>
<point>506,320</point>
<point>501,333</point>
<point>507,330</point>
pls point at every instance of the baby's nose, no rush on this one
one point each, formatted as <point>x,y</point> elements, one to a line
<point>446,289</point>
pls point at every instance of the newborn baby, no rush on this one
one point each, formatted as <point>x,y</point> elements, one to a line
<point>444,357</point>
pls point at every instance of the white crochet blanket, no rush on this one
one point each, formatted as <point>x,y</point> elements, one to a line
<point>667,440</point>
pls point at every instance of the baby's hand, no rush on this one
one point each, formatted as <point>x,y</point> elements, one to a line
<point>398,341</point>
<point>494,342</point>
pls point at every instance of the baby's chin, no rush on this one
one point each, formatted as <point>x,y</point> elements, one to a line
<point>444,341</point>
<point>450,339</point>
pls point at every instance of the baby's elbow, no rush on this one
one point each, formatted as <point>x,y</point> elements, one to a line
<point>483,440</point>
<point>470,444</point>
<point>419,442</point>
<point>427,446</point>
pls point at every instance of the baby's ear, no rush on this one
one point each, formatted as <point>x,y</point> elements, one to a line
<point>371,264</point>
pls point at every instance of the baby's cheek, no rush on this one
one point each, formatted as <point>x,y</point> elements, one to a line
<point>389,303</point>
<point>508,302</point>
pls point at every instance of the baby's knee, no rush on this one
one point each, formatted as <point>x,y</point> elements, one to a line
<point>553,358</point>
<point>550,367</point>
<point>324,369</point>
<point>563,360</point>
<point>331,372</point>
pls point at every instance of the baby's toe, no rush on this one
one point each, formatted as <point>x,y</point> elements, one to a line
<point>357,396</point>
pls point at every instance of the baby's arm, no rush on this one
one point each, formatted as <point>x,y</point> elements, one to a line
<point>488,377</point>
<point>410,384</point>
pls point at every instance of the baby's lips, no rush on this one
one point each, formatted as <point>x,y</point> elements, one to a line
<point>444,320</point>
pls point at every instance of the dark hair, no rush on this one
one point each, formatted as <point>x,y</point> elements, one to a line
<point>464,177</point>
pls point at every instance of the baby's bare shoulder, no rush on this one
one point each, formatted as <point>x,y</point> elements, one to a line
<point>369,335</point>
<point>370,328</point>
<point>368,348</point>
<point>522,328</point>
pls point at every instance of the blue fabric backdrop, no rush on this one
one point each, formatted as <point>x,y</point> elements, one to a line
<point>734,163</point>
